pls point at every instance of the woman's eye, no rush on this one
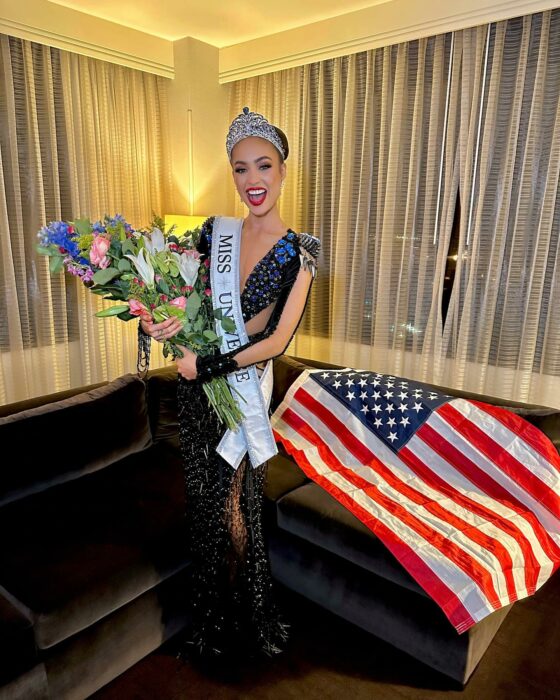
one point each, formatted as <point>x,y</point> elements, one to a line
<point>242,170</point>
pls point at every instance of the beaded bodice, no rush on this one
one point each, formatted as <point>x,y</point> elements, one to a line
<point>270,275</point>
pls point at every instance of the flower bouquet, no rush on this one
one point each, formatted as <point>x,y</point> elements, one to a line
<point>146,270</point>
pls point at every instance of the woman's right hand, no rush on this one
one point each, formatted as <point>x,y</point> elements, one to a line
<point>160,331</point>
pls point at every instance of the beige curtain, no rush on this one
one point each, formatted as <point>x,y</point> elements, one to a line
<point>383,142</point>
<point>503,331</point>
<point>78,137</point>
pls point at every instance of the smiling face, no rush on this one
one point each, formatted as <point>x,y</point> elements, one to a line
<point>258,173</point>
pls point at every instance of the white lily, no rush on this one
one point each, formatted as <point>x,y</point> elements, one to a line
<point>144,266</point>
<point>156,243</point>
<point>188,267</point>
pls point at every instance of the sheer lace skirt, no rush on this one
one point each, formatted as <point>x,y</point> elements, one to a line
<point>232,597</point>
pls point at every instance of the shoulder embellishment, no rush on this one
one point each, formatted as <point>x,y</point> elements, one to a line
<point>309,251</point>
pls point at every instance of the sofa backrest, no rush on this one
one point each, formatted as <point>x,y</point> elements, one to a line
<point>288,368</point>
<point>56,441</point>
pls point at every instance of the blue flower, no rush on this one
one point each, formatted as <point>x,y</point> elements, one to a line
<point>57,234</point>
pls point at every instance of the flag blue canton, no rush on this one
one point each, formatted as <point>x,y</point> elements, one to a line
<point>391,407</point>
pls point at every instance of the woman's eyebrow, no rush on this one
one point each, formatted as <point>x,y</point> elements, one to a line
<point>242,162</point>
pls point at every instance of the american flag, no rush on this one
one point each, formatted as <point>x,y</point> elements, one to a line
<point>464,494</point>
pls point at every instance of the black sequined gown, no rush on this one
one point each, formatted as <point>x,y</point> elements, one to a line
<point>233,607</point>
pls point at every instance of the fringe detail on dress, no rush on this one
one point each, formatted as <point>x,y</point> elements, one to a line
<point>233,608</point>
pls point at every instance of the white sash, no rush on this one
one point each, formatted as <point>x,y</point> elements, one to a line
<point>255,434</point>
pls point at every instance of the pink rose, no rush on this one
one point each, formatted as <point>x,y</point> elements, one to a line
<point>98,252</point>
<point>137,308</point>
<point>179,302</point>
<point>208,292</point>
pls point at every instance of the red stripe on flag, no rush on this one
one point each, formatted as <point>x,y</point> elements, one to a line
<point>501,458</point>
<point>444,596</point>
<point>532,567</point>
<point>453,552</point>
<point>488,485</point>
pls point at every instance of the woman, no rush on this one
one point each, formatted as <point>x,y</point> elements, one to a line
<point>233,606</point>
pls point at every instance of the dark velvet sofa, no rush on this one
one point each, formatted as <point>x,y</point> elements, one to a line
<point>94,572</point>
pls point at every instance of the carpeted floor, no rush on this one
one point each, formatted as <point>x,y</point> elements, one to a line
<point>329,658</point>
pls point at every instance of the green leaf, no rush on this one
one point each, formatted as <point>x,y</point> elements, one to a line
<point>163,287</point>
<point>126,316</point>
<point>112,311</point>
<point>104,276</point>
<point>82,226</point>
<point>42,250</point>
<point>124,265</point>
<point>128,247</point>
<point>55,264</point>
<point>228,324</point>
<point>210,335</point>
<point>193,305</point>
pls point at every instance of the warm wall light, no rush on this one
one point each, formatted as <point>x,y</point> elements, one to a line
<point>183,223</point>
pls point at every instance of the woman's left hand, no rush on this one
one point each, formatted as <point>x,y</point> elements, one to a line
<point>186,365</point>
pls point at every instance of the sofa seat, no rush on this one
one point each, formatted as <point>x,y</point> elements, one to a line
<point>313,514</point>
<point>88,546</point>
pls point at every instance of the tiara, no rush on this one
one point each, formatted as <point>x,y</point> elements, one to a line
<point>252,124</point>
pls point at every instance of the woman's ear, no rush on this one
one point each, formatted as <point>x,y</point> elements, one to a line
<point>283,170</point>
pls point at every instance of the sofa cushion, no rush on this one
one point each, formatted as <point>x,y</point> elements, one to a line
<point>59,441</point>
<point>86,547</point>
<point>313,514</point>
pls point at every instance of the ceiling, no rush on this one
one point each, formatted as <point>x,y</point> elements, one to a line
<point>217,22</point>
